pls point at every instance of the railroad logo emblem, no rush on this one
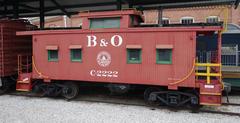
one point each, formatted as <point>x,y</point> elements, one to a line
<point>103,59</point>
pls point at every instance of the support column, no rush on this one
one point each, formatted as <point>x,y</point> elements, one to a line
<point>160,16</point>
<point>119,4</point>
<point>130,5</point>
<point>42,20</point>
<point>5,8</point>
<point>219,46</point>
<point>219,53</point>
<point>16,9</point>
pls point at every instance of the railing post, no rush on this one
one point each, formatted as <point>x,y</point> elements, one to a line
<point>208,74</point>
<point>237,56</point>
<point>27,64</point>
<point>19,64</point>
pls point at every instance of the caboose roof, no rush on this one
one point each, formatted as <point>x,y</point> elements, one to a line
<point>116,13</point>
<point>140,29</point>
<point>109,13</point>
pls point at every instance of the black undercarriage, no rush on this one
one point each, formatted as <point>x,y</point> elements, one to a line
<point>152,95</point>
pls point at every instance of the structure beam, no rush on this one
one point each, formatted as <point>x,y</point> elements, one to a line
<point>51,8</point>
<point>26,7</point>
<point>46,14</point>
<point>5,8</point>
<point>236,4</point>
<point>16,9</point>
<point>29,7</point>
<point>119,4</point>
<point>61,8</point>
<point>42,16</point>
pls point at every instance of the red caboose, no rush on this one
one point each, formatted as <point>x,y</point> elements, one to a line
<point>113,48</point>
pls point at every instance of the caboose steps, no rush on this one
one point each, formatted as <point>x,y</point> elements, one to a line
<point>210,94</point>
<point>24,82</point>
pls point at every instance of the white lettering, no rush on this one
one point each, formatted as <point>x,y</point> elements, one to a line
<point>92,72</point>
<point>115,41</point>
<point>104,73</point>
<point>92,41</point>
<point>120,40</point>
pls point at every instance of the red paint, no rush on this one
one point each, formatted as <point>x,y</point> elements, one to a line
<point>182,41</point>
<point>25,84</point>
<point>11,46</point>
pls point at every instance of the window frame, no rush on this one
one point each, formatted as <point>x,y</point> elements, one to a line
<point>131,61</point>
<point>104,19</point>
<point>52,59</point>
<point>212,17</point>
<point>71,55</point>
<point>166,19</point>
<point>185,18</point>
<point>158,61</point>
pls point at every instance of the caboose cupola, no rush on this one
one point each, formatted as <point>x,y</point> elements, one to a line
<point>111,19</point>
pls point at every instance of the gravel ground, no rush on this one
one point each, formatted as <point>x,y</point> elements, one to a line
<point>232,99</point>
<point>19,109</point>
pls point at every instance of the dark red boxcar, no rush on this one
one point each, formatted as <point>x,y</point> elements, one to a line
<point>11,46</point>
<point>115,51</point>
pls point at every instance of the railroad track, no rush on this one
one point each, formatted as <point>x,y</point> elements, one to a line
<point>231,104</point>
<point>125,101</point>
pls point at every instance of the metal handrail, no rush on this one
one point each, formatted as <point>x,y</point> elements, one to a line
<point>208,73</point>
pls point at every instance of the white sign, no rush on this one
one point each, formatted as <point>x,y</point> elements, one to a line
<point>103,73</point>
<point>209,86</point>
<point>92,41</point>
<point>103,59</point>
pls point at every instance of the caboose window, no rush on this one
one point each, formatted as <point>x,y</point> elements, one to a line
<point>76,55</point>
<point>52,55</point>
<point>164,56</point>
<point>134,56</point>
<point>96,23</point>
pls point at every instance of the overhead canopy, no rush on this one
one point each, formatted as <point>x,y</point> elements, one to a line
<point>33,8</point>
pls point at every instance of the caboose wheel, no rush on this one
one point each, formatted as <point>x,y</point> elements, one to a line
<point>147,93</point>
<point>3,90</point>
<point>118,88</point>
<point>70,90</point>
<point>4,87</point>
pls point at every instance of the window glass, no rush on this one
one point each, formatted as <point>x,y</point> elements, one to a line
<point>134,56</point>
<point>76,55</point>
<point>187,20</point>
<point>52,55</point>
<point>105,23</point>
<point>112,23</point>
<point>165,21</point>
<point>212,19</point>
<point>164,56</point>
<point>96,23</point>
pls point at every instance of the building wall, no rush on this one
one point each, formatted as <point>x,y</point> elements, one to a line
<point>59,21</point>
<point>151,16</point>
